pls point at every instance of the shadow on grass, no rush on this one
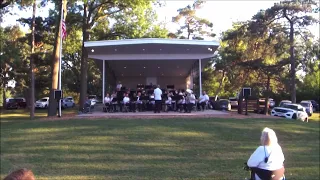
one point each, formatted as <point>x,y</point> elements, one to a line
<point>152,149</point>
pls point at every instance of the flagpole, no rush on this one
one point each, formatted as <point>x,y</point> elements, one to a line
<point>60,57</point>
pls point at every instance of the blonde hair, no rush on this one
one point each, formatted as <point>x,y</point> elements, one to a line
<point>268,137</point>
<point>21,174</point>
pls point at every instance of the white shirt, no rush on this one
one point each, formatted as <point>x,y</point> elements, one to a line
<point>169,100</point>
<point>126,100</point>
<point>203,98</point>
<point>107,99</point>
<point>119,86</point>
<point>157,94</point>
<point>275,161</point>
<point>192,99</point>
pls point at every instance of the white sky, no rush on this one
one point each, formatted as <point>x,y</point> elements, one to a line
<point>220,13</point>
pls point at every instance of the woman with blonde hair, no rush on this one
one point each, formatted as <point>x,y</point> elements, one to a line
<point>266,162</point>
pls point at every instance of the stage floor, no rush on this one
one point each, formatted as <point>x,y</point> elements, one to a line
<point>151,113</point>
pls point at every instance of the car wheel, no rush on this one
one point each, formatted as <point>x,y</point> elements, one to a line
<point>46,106</point>
<point>294,116</point>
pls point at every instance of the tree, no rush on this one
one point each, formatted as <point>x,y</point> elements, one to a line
<point>93,12</point>
<point>192,25</point>
<point>10,55</point>
<point>297,15</point>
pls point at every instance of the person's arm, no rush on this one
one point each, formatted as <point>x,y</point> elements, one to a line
<point>256,158</point>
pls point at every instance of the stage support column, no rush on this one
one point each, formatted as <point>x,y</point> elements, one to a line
<point>200,78</point>
<point>103,79</point>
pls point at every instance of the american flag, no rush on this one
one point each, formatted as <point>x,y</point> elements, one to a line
<point>63,30</point>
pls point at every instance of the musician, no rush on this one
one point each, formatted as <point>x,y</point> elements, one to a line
<point>190,101</point>
<point>119,86</point>
<point>168,102</point>
<point>133,102</point>
<point>114,101</point>
<point>139,102</point>
<point>157,97</point>
<point>203,100</point>
<point>125,101</point>
<point>107,99</point>
<point>107,102</point>
<point>181,102</point>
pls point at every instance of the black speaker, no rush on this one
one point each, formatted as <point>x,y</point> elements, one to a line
<point>58,94</point>
<point>246,92</point>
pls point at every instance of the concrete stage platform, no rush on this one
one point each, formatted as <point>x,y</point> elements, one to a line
<point>151,113</point>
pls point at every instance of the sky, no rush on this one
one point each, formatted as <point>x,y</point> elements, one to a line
<point>220,13</point>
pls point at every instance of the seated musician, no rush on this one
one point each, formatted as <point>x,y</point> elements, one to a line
<point>139,102</point>
<point>203,100</point>
<point>107,101</point>
<point>126,100</point>
<point>190,101</point>
<point>133,102</point>
<point>168,102</point>
<point>181,101</point>
<point>114,101</point>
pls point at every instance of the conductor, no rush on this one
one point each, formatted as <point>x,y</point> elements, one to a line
<point>158,101</point>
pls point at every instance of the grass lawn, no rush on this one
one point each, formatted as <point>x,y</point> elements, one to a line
<point>152,148</point>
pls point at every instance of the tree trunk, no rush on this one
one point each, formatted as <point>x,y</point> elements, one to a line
<point>32,100</point>
<point>52,109</point>
<point>293,64</point>
<point>266,107</point>
<point>84,58</point>
<point>4,95</point>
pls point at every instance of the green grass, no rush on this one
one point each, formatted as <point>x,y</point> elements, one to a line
<point>315,117</point>
<point>152,149</point>
<point>20,114</point>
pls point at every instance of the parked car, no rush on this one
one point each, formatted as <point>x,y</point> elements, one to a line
<point>233,102</point>
<point>308,106</point>
<point>284,102</point>
<point>42,103</point>
<point>68,102</point>
<point>291,111</point>
<point>15,103</point>
<point>315,105</point>
<point>224,104</point>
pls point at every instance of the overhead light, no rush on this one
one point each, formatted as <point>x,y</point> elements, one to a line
<point>188,49</point>
<point>158,67</point>
<point>177,66</point>
<point>92,50</point>
<point>209,49</point>
<point>160,49</point>
<point>121,74</point>
<point>115,50</point>
<point>144,67</point>
<point>140,74</point>
<point>143,49</point>
<point>180,74</point>
<point>125,67</point>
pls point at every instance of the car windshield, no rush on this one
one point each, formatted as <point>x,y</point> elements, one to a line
<point>12,100</point>
<point>305,104</point>
<point>290,106</point>
<point>69,99</point>
<point>43,100</point>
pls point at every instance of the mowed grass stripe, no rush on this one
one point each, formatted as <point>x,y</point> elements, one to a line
<point>153,148</point>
